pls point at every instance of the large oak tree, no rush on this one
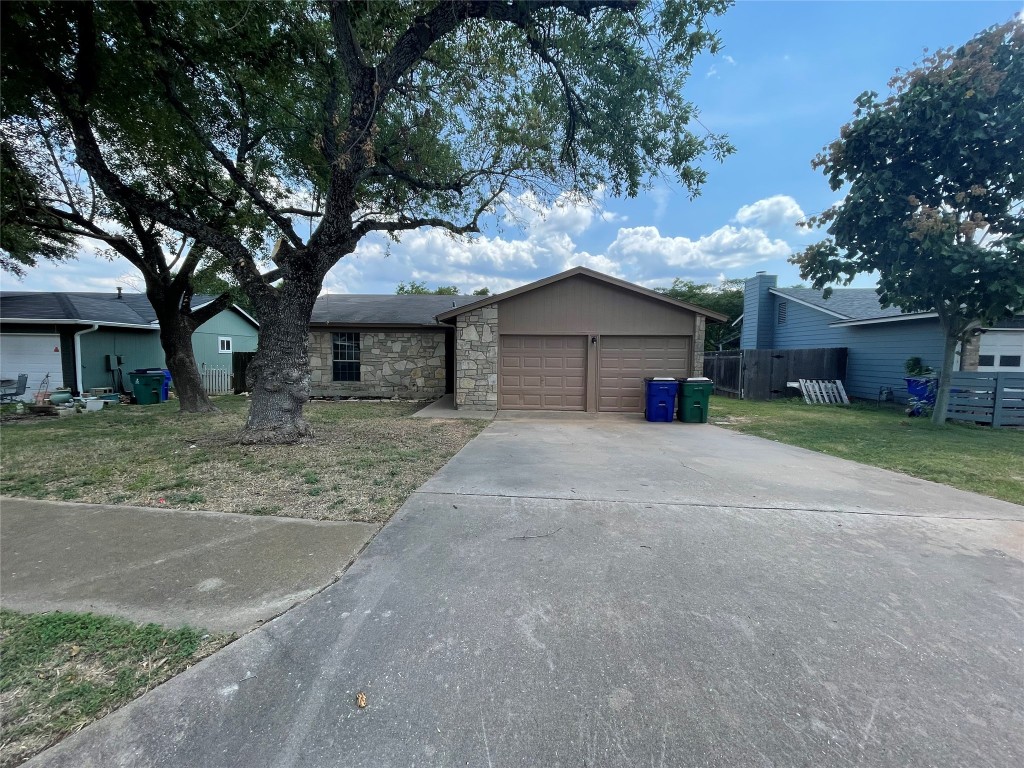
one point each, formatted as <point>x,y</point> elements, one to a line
<point>936,187</point>
<point>310,125</point>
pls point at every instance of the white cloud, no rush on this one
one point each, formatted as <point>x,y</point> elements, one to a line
<point>712,72</point>
<point>728,247</point>
<point>730,60</point>
<point>772,212</point>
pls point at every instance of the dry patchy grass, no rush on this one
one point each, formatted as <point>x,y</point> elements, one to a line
<point>366,458</point>
<point>61,671</point>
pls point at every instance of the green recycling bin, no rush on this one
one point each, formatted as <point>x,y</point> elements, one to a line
<point>147,387</point>
<point>694,396</point>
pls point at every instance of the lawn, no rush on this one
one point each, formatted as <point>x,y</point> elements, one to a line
<point>980,459</point>
<point>60,671</point>
<point>366,458</point>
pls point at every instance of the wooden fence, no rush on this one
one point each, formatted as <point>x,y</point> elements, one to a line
<point>761,374</point>
<point>987,398</point>
<point>216,381</point>
<point>724,368</point>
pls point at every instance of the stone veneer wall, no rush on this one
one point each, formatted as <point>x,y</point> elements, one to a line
<point>699,326</point>
<point>969,354</point>
<point>476,359</point>
<point>404,364</point>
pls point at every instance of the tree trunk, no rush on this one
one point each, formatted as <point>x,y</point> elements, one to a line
<point>176,339</point>
<point>278,376</point>
<point>945,375</point>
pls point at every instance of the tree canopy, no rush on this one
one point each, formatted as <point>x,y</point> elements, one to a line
<point>935,177</point>
<point>726,298</point>
<point>278,135</point>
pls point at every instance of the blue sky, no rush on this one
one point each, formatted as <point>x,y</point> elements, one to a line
<point>782,87</point>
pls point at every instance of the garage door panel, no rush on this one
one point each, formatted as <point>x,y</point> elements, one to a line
<point>35,355</point>
<point>543,373</point>
<point>626,361</point>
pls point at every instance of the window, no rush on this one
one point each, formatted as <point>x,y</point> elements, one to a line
<point>783,311</point>
<point>1009,361</point>
<point>346,356</point>
<point>224,345</point>
<point>986,361</point>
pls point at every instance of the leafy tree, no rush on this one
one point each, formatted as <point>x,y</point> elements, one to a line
<point>935,191</point>
<point>485,291</point>
<point>86,154</point>
<point>311,125</point>
<point>421,288</point>
<point>726,298</point>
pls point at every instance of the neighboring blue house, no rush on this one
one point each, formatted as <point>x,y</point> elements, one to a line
<point>878,340</point>
<point>87,340</point>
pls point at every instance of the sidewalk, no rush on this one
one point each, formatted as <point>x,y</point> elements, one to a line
<point>218,571</point>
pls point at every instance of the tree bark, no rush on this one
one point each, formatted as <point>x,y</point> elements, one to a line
<point>176,339</point>
<point>278,378</point>
<point>945,375</point>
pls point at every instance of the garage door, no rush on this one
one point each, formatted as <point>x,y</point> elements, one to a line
<point>34,355</point>
<point>546,373</point>
<point>626,360</point>
<point>1001,351</point>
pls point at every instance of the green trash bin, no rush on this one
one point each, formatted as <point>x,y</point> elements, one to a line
<point>147,387</point>
<point>694,396</point>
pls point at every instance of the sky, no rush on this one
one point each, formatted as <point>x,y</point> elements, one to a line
<point>781,88</point>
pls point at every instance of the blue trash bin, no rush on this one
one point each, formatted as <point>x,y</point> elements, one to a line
<point>660,398</point>
<point>166,393</point>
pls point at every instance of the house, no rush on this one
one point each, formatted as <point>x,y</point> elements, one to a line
<point>576,341</point>
<point>878,340</point>
<point>87,340</point>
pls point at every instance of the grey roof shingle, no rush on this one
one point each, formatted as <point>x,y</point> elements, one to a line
<point>384,309</point>
<point>104,308</point>
<point>851,303</point>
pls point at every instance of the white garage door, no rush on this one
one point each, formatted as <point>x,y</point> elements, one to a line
<point>627,360</point>
<point>34,354</point>
<point>543,373</point>
<point>1001,351</point>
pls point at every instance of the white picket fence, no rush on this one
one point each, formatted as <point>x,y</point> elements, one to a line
<point>217,381</point>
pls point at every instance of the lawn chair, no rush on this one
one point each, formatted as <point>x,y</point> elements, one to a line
<point>10,394</point>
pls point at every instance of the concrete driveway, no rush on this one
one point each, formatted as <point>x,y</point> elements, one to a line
<point>604,592</point>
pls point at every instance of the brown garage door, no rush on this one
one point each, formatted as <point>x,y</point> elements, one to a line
<point>546,373</point>
<point>626,360</point>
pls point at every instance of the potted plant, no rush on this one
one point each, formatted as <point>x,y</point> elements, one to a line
<point>921,386</point>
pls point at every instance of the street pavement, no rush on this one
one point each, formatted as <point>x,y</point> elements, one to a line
<point>607,592</point>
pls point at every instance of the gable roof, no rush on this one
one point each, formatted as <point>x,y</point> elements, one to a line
<point>130,310</point>
<point>844,303</point>
<point>400,310</point>
<point>585,272</point>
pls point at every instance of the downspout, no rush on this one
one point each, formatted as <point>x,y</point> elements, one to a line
<point>78,355</point>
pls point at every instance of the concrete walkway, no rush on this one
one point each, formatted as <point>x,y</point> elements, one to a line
<point>444,408</point>
<point>217,571</point>
<point>610,593</point>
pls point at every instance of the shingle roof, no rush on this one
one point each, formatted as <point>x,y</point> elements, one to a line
<point>103,308</point>
<point>384,309</point>
<point>851,303</point>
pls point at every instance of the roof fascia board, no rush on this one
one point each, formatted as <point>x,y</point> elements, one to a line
<point>370,326</point>
<point>808,304</point>
<point>488,300</point>
<point>50,321</point>
<point>890,319</point>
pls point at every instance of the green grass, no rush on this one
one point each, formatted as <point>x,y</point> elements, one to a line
<point>365,460</point>
<point>60,671</point>
<point>980,459</point>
